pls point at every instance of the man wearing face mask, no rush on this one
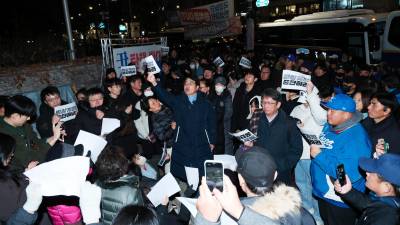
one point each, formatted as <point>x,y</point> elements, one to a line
<point>338,81</point>
<point>349,86</point>
<point>221,100</point>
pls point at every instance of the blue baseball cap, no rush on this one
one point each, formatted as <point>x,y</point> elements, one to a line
<point>341,102</point>
<point>291,57</point>
<point>387,166</point>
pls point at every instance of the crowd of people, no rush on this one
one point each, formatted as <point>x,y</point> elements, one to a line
<point>347,115</point>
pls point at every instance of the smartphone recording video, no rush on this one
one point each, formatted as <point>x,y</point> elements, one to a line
<point>214,171</point>
<point>341,174</point>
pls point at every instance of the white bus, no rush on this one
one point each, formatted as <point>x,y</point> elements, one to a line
<point>369,37</point>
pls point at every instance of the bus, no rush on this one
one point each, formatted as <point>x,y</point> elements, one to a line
<point>367,36</point>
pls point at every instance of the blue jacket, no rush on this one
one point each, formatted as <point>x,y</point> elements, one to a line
<point>345,147</point>
<point>196,130</point>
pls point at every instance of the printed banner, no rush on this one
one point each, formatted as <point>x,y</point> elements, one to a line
<point>210,13</point>
<point>66,112</point>
<point>229,27</point>
<point>293,80</point>
<point>134,55</point>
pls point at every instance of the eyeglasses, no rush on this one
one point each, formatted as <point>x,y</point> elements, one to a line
<point>269,103</point>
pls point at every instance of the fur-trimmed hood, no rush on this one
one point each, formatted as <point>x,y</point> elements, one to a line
<point>282,202</point>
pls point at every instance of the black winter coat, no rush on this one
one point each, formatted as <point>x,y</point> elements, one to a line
<point>241,107</point>
<point>282,139</point>
<point>387,129</point>
<point>194,133</point>
<point>381,211</point>
<point>162,129</point>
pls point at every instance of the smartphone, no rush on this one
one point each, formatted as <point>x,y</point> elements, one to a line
<point>385,147</point>
<point>214,172</point>
<point>341,174</point>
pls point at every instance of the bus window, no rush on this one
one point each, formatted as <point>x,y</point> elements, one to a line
<point>375,31</point>
<point>355,45</point>
<point>394,32</point>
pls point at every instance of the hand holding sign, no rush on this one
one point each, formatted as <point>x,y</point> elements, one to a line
<point>152,79</point>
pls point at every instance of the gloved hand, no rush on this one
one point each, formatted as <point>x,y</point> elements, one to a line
<point>90,202</point>
<point>33,197</point>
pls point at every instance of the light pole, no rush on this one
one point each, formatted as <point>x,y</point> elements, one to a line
<point>71,49</point>
<point>250,26</point>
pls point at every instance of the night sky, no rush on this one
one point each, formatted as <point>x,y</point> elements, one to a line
<point>29,17</point>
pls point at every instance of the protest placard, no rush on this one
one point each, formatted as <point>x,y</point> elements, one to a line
<point>244,62</point>
<point>91,142</point>
<point>219,62</point>
<point>244,135</point>
<point>151,65</point>
<point>127,71</point>
<point>66,112</point>
<point>293,80</point>
<point>312,139</point>
<point>63,176</point>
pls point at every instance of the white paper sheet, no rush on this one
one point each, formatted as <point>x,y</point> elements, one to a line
<point>91,142</point>
<point>167,186</point>
<point>192,175</point>
<point>229,161</point>
<point>66,112</point>
<point>109,125</point>
<point>190,204</point>
<point>61,176</point>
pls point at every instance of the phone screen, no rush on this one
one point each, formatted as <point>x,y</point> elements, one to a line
<point>341,174</point>
<point>214,175</point>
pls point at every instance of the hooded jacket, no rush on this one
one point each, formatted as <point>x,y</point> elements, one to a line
<point>282,206</point>
<point>342,144</point>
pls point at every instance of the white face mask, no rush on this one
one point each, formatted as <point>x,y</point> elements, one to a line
<point>219,89</point>
<point>192,66</point>
<point>148,93</point>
